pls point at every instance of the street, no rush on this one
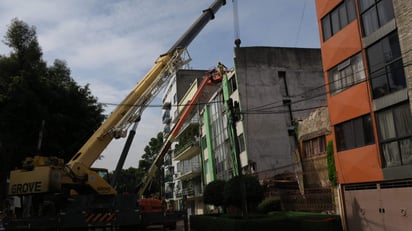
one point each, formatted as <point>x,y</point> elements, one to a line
<point>179,227</point>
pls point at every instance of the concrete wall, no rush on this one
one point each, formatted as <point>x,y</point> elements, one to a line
<point>266,120</point>
<point>185,78</point>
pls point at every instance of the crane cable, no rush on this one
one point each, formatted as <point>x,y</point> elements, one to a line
<point>236,23</point>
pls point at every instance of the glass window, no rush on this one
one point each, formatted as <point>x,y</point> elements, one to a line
<point>406,150</point>
<point>390,153</point>
<point>350,8</point>
<point>346,74</point>
<point>370,22</point>
<point>375,14</point>
<point>335,21</point>
<point>395,135</point>
<point>365,4</point>
<point>338,18</point>
<point>218,126</point>
<point>385,11</point>
<point>354,133</point>
<point>233,84</point>
<point>326,28</point>
<point>385,66</point>
<point>343,16</point>
<point>315,146</point>
<point>241,141</point>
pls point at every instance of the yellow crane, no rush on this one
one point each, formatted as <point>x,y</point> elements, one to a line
<point>74,195</point>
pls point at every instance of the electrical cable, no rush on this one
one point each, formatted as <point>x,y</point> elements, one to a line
<point>263,109</point>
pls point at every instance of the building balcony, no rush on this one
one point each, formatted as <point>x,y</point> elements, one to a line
<point>190,173</point>
<point>194,190</point>
<point>187,150</point>
<point>168,178</point>
<point>188,169</point>
<point>166,129</point>
<point>190,191</point>
<point>166,117</point>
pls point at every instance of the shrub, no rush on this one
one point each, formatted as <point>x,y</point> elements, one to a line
<point>232,192</point>
<point>269,204</point>
<point>213,193</point>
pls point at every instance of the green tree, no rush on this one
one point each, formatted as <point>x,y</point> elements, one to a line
<point>254,192</point>
<point>213,193</point>
<point>39,101</point>
<point>151,151</point>
<point>129,179</point>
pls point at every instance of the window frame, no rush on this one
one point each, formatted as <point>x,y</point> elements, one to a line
<point>394,127</point>
<point>386,72</point>
<point>354,133</point>
<point>314,147</point>
<point>357,75</point>
<point>375,14</point>
<point>332,22</point>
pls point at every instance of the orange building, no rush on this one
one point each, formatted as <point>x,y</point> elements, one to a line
<point>366,53</point>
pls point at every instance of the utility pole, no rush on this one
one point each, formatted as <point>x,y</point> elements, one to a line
<point>234,116</point>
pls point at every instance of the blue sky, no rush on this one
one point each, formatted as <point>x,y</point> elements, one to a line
<point>111,44</point>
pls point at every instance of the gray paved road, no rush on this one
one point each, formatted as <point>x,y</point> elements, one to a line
<point>179,227</point>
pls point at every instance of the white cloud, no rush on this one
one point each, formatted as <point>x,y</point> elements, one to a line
<point>111,44</point>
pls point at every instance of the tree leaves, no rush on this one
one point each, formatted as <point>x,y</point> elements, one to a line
<point>36,100</point>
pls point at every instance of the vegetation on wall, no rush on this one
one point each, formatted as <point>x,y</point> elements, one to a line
<point>331,164</point>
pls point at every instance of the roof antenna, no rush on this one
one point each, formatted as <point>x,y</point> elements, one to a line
<point>236,23</point>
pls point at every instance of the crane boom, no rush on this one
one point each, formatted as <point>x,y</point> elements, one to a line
<point>77,174</point>
<point>142,94</point>
<point>74,195</point>
<point>175,131</point>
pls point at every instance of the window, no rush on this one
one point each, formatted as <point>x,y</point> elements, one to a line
<point>395,135</point>
<point>346,74</point>
<point>374,14</point>
<point>385,66</point>
<point>232,84</point>
<point>241,141</point>
<point>315,146</point>
<point>203,142</point>
<point>338,18</point>
<point>175,99</point>
<point>354,133</point>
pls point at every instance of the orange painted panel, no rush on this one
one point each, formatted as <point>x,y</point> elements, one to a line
<point>348,104</point>
<point>341,46</point>
<point>358,165</point>
<point>325,6</point>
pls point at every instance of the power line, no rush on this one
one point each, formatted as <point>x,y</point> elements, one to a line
<point>265,109</point>
<point>300,23</point>
<point>323,86</point>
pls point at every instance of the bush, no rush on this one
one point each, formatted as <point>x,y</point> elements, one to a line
<point>232,192</point>
<point>269,204</point>
<point>213,193</point>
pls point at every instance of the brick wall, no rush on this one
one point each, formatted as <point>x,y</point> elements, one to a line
<point>403,14</point>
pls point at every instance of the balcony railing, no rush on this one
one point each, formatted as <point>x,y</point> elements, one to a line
<point>166,117</point>
<point>187,150</point>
